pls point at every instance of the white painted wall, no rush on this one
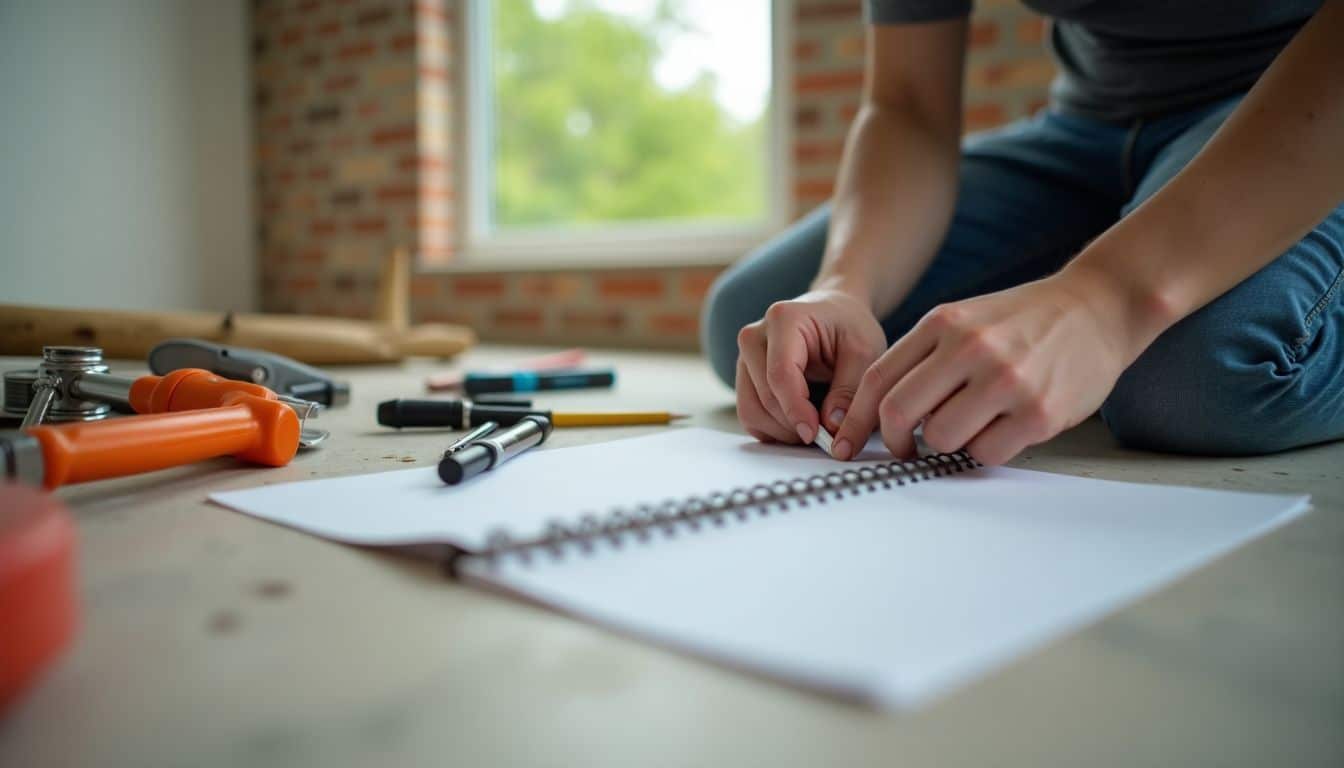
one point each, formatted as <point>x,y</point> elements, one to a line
<point>125,154</point>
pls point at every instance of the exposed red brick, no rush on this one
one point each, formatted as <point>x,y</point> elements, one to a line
<point>435,193</point>
<point>308,6</point>
<point>356,50</point>
<point>848,112</point>
<point>436,253</point>
<point>437,314</point>
<point>373,16</point>
<point>807,117</point>
<point>311,60</point>
<point>404,42</point>
<point>479,286</point>
<point>675,324</point>
<point>312,256</point>
<point>370,225</point>
<point>301,284</point>
<point>426,286</point>
<point>813,188</point>
<point>1013,74</point>
<point>829,81</point>
<point>289,37</point>
<point>368,109</point>
<point>422,162</point>
<point>278,124</point>
<point>694,285</point>
<point>394,135</point>
<point>980,116</point>
<point>438,74</point>
<point>322,227</point>
<point>341,82</point>
<point>1031,31</point>
<point>431,10</point>
<point>417,220</point>
<point>517,318</point>
<point>983,34</point>
<point>850,47</point>
<point>328,29</point>
<point>397,193</point>
<point>550,286</point>
<point>630,287</point>
<point>804,50</point>
<point>593,320</point>
<point>818,151</point>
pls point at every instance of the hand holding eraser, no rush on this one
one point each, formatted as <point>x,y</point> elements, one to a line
<point>824,440</point>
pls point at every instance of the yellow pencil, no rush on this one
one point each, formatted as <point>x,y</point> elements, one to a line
<point>613,419</point>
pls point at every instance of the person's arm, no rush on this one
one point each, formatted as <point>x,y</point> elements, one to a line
<point>897,183</point>
<point>997,373</point>
<point>1272,172</point>
<point>893,202</point>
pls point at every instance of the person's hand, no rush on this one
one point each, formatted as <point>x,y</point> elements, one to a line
<point>823,335</point>
<point>996,373</point>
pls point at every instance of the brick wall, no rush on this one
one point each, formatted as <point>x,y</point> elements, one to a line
<point>356,125</point>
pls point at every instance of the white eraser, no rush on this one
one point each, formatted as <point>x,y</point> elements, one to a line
<point>824,440</point>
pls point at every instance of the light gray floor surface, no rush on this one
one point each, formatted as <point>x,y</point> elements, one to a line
<point>211,639</point>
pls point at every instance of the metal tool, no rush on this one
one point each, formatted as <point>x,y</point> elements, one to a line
<point>72,384</point>
<point>282,375</point>
<point>185,416</point>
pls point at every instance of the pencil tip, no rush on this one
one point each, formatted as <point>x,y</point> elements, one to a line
<point>676,416</point>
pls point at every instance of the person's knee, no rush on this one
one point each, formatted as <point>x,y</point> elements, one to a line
<point>727,308</point>
<point>1190,394</point>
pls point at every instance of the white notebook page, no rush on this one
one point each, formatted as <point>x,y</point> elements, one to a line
<point>893,596</point>
<point>897,596</point>
<point>413,506</point>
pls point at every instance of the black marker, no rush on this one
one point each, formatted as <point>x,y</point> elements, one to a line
<point>493,450</point>
<point>456,414</point>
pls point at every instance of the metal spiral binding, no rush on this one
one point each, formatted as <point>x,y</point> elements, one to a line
<point>671,517</point>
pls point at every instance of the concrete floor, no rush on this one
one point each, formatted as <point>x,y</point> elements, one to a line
<point>214,639</point>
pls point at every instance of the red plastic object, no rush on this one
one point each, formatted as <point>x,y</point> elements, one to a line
<point>39,603</point>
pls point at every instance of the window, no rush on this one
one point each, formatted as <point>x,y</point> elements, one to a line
<point>622,130</point>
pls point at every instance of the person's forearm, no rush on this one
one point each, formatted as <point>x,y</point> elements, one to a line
<point>893,202</point>
<point>1273,171</point>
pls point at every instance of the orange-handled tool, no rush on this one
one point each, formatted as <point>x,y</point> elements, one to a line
<point>188,415</point>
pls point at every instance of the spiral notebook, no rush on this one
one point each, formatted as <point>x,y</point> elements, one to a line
<point>889,582</point>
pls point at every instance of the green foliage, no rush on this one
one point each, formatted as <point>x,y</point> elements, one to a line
<point>585,135</point>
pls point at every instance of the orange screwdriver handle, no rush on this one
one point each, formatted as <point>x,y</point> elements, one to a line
<point>255,429</point>
<point>189,389</point>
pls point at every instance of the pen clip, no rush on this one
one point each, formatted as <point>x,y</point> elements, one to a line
<point>471,437</point>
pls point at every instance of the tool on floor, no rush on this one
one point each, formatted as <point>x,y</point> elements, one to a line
<point>185,416</point>
<point>25,330</point>
<point>277,373</point>
<point>464,414</point>
<point>39,587</point>
<point>485,453</point>
<point>569,358</point>
<point>537,381</point>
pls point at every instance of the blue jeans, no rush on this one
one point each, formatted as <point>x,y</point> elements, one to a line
<point>1259,369</point>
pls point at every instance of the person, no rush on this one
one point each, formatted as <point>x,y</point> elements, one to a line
<point>1164,243</point>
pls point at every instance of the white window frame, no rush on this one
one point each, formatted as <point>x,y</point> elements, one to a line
<point>621,245</point>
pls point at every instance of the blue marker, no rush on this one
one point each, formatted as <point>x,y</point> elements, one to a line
<point>527,381</point>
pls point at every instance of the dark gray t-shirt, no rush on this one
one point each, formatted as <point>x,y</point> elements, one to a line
<point>1123,59</point>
